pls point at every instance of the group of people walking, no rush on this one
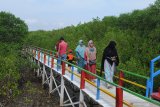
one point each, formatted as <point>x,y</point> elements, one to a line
<point>86,58</point>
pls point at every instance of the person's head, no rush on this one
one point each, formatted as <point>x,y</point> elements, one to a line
<point>90,43</point>
<point>80,42</point>
<point>112,44</point>
<point>61,39</point>
<point>70,51</point>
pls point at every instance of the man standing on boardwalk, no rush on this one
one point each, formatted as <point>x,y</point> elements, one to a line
<point>62,49</point>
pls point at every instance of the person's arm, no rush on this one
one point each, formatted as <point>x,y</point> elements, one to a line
<point>77,54</point>
<point>87,55</point>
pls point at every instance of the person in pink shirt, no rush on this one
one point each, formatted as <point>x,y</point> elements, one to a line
<point>62,49</point>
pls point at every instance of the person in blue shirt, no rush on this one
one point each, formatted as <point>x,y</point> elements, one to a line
<point>80,51</point>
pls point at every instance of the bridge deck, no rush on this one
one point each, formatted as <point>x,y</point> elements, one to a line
<point>105,100</point>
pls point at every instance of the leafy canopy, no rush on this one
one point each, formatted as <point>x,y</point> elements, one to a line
<point>12,29</point>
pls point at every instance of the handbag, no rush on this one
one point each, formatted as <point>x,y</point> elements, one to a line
<point>92,62</point>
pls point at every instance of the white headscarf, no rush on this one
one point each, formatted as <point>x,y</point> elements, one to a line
<point>90,42</point>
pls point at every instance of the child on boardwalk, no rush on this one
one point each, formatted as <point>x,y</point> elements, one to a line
<point>70,58</point>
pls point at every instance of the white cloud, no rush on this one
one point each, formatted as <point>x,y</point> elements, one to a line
<point>31,21</point>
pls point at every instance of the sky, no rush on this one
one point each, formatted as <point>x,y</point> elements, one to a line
<point>56,14</point>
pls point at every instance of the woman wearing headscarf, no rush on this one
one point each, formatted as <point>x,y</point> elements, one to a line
<point>90,57</point>
<point>80,50</point>
<point>109,62</point>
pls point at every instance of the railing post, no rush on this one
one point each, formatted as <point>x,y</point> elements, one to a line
<point>98,91</point>
<point>72,75</point>
<point>33,52</point>
<point>82,86</point>
<point>151,76</point>
<point>121,76</point>
<point>52,62</point>
<point>58,63</point>
<point>63,68</point>
<point>148,87</point>
<point>119,97</point>
<point>44,60</point>
<point>49,59</point>
<point>49,56</point>
<point>38,55</point>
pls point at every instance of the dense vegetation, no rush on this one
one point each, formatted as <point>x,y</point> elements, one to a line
<point>12,31</point>
<point>137,35</point>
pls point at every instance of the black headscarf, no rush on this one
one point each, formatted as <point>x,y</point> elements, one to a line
<point>110,51</point>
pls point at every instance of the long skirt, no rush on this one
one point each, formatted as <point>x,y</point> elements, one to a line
<point>109,71</point>
<point>80,63</point>
<point>91,68</point>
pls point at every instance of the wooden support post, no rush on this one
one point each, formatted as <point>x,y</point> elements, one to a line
<point>119,97</point>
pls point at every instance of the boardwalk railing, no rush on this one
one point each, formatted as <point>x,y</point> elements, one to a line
<point>47,58</point>
<point>121,73</point>
<point>153,74</point>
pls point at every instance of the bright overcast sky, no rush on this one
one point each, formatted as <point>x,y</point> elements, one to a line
<point>53,14</point>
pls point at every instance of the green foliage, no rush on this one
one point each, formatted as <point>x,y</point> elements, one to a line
<point>12,65</point>
<point>8,72</point>
<point>12,29</point>
<point>137,35</point>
